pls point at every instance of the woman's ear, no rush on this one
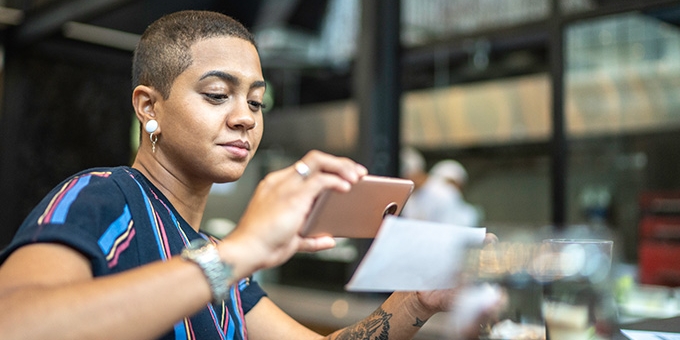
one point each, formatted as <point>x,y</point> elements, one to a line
<point>143,101</point>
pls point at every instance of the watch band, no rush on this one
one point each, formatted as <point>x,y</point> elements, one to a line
<point>218,273</point>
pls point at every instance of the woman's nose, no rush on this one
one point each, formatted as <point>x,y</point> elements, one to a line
<point>242,117</point>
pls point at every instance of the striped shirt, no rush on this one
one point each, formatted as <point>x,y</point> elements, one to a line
<point>120,221</point>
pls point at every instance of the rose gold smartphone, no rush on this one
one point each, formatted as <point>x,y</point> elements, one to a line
<point>359,212</point>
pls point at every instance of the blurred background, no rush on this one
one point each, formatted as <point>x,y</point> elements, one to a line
<point>562,111</point>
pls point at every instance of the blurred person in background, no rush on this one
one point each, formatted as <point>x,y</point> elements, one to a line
<point>412,166</point>
<point>437,194</point>
<point>451,176</point>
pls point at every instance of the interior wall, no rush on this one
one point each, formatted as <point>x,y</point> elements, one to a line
<point>58,117</point>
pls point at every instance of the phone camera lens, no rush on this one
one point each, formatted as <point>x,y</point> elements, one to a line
<point>391,209</point>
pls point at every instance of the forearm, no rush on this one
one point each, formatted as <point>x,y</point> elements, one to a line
<point>400,317</point>
<point>138,304</point>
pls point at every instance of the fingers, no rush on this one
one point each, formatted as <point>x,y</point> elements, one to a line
<point>283,199</point>
<point>490,238</point>
<point>319,163</point>
<point>302,169</point>
<point>313,244</point>
<point>319,171</point>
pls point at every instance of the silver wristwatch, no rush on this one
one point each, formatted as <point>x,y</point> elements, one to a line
<point>218,273</point>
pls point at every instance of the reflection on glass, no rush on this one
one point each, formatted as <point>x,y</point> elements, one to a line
<point>621,75</point>
<point>555,281</point>
<point>621,116</point>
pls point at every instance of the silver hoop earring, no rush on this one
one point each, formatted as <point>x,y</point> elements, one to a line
<point>154,139</point>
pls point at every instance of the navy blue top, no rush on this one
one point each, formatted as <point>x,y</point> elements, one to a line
<point>118,220</point>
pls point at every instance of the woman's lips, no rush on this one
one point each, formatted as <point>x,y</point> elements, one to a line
<point>238,148</point>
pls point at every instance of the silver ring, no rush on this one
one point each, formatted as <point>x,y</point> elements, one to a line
<point>302,169</point>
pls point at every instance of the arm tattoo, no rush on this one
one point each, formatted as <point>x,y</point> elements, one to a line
<point>374,327</point>
<point>419,323</point>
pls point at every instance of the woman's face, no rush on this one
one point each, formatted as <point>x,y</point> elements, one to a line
<point>212,120</point>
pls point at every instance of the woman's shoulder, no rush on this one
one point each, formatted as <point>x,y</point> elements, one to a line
<point>83,199</point>
<point>89,178</point>
<point>103,172</point>
<point>87,184</point>
<point>102,175</point>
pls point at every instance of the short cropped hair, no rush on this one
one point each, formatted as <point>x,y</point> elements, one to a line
<point>163,51</point>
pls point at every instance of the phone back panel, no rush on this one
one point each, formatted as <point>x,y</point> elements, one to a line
<point>359,212</point>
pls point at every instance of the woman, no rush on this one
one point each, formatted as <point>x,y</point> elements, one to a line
<point>116,252</point>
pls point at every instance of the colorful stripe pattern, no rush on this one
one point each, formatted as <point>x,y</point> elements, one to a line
<point>117,237</point>
<point>58,208</point>
<point>229,323</point>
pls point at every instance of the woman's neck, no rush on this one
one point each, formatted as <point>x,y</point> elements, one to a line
<point>189,201</point>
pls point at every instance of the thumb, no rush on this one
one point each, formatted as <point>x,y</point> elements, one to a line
<point>312,244</point>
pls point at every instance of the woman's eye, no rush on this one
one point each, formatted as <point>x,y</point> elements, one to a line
<point>216,96</point>
<point>256,105</point>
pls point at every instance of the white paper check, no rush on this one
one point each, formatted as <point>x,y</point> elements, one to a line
<point>650,335</point>
<point>409,255</point>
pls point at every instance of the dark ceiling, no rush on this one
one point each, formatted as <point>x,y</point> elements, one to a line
<point>40,28</point>
<point>134,16</point>
<point>44,18</point>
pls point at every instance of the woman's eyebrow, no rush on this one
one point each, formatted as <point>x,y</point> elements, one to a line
<point>230,78</point>
<point>227,77</point>
<point>258,83</point>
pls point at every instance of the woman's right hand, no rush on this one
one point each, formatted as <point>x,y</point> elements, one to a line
<point>268,233</point>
